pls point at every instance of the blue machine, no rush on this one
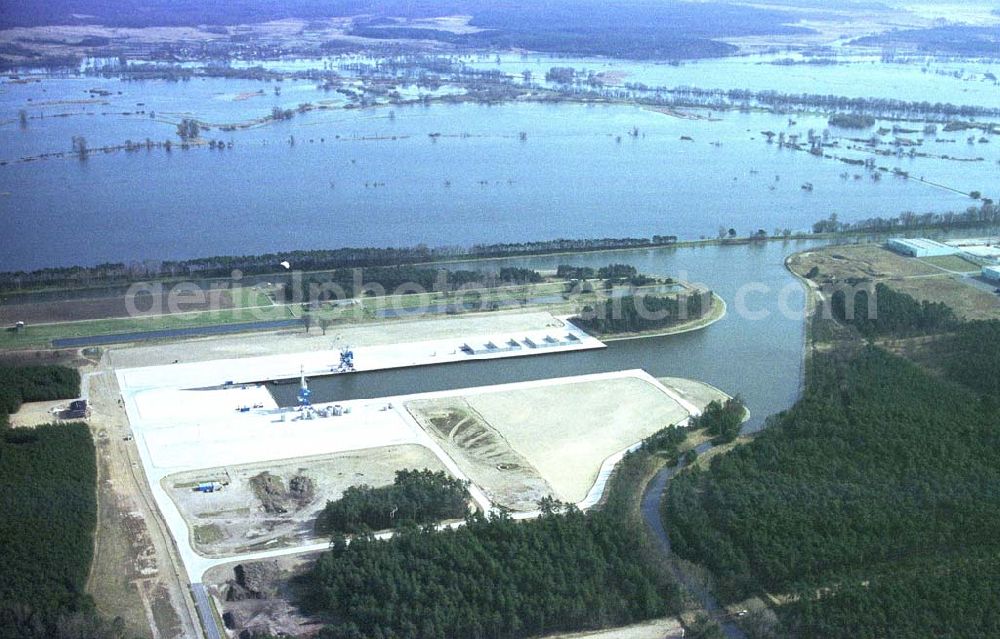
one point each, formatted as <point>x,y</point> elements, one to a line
<point>304,391</point>
<point>346,360</point>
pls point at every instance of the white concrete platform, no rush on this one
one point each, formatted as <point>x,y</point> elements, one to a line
<point>177,427</point>
<point>366,358</point>
<point>194,436</point>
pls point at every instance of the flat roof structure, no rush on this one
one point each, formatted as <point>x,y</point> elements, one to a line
<point>983,252</point>
<point>991,273</point>
<point>920,247</point>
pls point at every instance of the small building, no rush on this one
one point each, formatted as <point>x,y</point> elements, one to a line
<point>991,274</point>
<point>208,487</point>
<point>920,247</point>
<point>78,409</point>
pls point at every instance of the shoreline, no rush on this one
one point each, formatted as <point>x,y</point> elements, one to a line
<point>689,327</point>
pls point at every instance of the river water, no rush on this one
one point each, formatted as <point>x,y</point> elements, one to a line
<point>376,177</point>
<point>755,350</point>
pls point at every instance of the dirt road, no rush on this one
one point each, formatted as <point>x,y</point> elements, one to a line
<point>136,573</point>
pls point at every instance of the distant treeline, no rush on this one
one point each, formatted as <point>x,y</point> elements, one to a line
<point>887,107</point>
<point>415,498</point>
<point>315,260</point>
<point>958,40</point>
<point>985,215</point>
<point>35,384</point>
<point>48,478</point>
<point>614,28</point>
<point>382,280</point>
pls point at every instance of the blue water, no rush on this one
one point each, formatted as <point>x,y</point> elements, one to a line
<point>570,178</point>
<point>754,351</point>
<point>376,177</point>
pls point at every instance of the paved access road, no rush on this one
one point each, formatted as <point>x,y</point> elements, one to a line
<point>205,611</point>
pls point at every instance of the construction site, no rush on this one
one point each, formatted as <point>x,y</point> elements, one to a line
<point>239,477</point>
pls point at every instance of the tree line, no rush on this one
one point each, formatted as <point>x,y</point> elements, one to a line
<point>493,578</point>
<point>986,214</point>
<point>20,384</point>
<point>636,313</point>
<point>415,498</point>
<point>870,500</point>
<point>895,313</point>
<point>302,260</point>
<point>48,478</point>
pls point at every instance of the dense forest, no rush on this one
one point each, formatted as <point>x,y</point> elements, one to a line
<point>35,384</point>
<point>635,313</point>
<point>48,476</point>
<point>416,497</point>
<point>493,578</point>
<point>972,356</point>
<point>895,313</point>
<point>881,487</point>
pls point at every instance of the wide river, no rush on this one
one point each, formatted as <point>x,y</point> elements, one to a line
<point>377,176</point>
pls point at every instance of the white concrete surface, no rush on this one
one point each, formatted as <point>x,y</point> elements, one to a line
<point>248,370</point>
<point>179,429</point>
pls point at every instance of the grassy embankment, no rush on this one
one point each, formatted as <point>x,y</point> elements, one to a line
<point>258,307</point>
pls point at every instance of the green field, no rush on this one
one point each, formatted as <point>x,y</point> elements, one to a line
<point>258,307</point>
<point>951,263</point>
<point>40,334</point>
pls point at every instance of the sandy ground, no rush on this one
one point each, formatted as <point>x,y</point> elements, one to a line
<point>38,413</point>
<point>669,628</point>
<point>383,333</point>
<point>233,521</point>
<point>698,393</point>
<point>506,476</point>
<point>276,614</point>
<point>867,261</point>
<point>136,574</point>
<point>566,431</point>
<point>559,433</point>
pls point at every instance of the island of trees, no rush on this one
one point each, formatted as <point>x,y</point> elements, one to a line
<point>415,498</point>
<point>646,312</point>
